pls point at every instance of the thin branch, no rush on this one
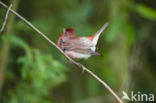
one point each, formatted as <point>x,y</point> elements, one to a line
<point>6,18</point>
<point>70,59</point>
<point>6,47</point>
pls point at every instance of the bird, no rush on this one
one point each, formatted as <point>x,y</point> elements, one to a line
<point>79,47</point>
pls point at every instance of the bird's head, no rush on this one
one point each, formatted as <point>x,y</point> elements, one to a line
<point>69,32</point>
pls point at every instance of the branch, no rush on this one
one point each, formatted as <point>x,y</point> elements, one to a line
<point>6,18</point>
<point>70,59</point>
<point>6,46</point>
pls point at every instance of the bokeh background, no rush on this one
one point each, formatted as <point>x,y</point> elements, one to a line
<point>33,71</point>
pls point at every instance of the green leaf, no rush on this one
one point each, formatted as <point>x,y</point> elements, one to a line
<point>146,12</point>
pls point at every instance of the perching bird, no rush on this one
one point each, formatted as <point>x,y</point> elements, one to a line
<point>79,47</point>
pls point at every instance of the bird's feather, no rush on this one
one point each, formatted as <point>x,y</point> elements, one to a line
<point>97,34</point>
<point>79,45</point>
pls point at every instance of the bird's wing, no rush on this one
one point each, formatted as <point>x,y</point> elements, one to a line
<point>82,45</point>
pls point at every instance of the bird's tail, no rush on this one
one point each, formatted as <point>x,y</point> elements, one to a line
<point>95,53</point>
<point>97,34</point>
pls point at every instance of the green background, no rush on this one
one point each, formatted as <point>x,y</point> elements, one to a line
<point>33,71</point>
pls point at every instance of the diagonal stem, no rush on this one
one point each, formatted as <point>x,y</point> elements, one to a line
<point>70,59</point>
<point>6,18</point>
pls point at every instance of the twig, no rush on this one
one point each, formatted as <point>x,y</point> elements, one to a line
<point>6,18</point>
<point>70,59</point>
<point>6,47</point>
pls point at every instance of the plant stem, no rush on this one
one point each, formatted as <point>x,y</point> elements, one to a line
<point>6,47</point>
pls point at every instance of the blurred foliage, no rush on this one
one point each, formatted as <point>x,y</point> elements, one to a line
<point>146,12</point>
<point>37,73</point>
